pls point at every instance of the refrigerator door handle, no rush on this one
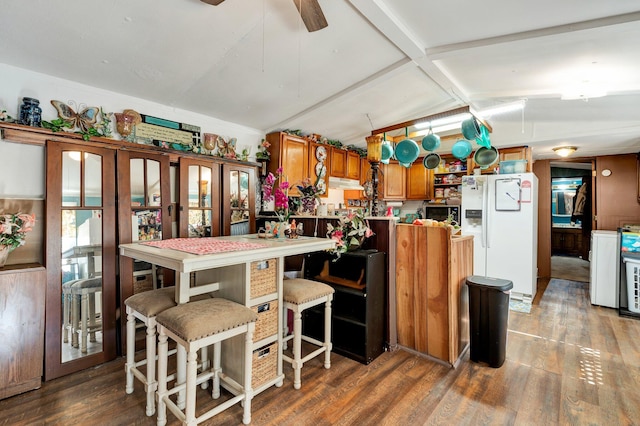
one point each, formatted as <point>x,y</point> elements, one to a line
<point>485,211</point>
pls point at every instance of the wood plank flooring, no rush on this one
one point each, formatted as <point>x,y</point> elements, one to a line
<point>567,363</point>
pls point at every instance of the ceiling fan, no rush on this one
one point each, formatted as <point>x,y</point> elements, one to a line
<point>309,10</point>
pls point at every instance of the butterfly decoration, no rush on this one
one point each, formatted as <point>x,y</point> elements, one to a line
<point>84,120</point>
<point>226,149</point>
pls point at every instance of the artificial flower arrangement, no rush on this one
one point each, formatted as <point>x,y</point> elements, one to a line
<point>309,194</point>
<point>14,228</point>
<point>263,150</point>
<point>350,232</point>
<point>278,193</point>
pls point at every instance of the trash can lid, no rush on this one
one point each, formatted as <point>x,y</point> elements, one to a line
<point>488,282</point>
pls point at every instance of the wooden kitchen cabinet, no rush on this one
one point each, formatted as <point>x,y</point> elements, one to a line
<point>419,182</point>
<point>353,165</point>
<point>394,181</point>
<point>338,162</point>
<point>431,295</point>
<point>566,241</point>
<point>22,298</point>
<point>291,153</point>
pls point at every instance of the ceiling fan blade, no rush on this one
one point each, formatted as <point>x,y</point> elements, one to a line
<point>311,14</point>
<point>212,2</point>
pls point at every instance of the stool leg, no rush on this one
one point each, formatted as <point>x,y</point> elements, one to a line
<point>92,317</point>
<point>248,372</point>
<point>162,376</point>
<point>204,362</point>
<point>327,333</point>
<point>151,385</point>
<point>181,374</point>
<point>131,348</point>
<point>83,322</point>
<point>65,318</point>
<point>74,320</point>
<point>192,371</point>
<point>297,347</point>
<point>215,392</point>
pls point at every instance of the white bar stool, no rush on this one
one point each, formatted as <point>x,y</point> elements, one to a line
<point>145,306</point>
<point>87,290</point>
<point>300,294</point>
<point>193,326</point>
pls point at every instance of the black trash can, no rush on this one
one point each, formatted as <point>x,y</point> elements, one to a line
<point>488,318</point>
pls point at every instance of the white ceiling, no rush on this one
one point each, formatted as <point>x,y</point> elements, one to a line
<point>378,63</point>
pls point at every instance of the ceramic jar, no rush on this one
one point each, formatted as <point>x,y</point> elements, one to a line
<point>30,112</point>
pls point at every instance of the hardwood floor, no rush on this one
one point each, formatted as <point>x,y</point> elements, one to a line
<point>567,363</point>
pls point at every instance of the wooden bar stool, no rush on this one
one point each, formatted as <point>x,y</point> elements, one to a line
<point>300,294</point>
<point>193,326</point>
<point>145,307</point>
<point>87,290</point>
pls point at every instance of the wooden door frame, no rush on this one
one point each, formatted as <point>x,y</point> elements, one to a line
<point>54,367</point>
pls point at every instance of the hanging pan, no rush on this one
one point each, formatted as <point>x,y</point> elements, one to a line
<point>485,157</point>
<point>431,161</point>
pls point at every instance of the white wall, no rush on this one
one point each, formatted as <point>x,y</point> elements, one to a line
<point>16,83</point>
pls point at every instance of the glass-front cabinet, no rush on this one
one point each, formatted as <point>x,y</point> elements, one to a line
<point>80,257</point>
<point>144,214</point>
<point>238,199</point>
<point>199,198</point>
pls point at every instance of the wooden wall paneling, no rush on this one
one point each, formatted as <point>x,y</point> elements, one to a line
<point>437,277</point>
<point>616,202</point>
<point>420,289</point>
<point>405,290</point>
<point>542,169</point>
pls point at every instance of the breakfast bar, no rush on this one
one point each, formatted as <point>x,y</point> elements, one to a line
<point>245,269</point>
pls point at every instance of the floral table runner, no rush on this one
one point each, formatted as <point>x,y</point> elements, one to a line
<point>204,245</point>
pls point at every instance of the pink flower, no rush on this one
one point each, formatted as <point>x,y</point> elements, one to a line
<point>368,232</point>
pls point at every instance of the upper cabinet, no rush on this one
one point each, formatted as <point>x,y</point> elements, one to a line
<point>419,182</point>
<point>394,181</point>
<point>338,162</point>
<point>238,199</point>
<point>291,153</point>
<point>353,165</point>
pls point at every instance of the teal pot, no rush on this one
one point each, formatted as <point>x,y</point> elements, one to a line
<point>431,142</point>
<point>470,129</point>
<point>407,151</point>
<point>485,157</point>
<point>431,161</point>
<point>483,139</point>
<point>461,149</point>
<point>387,151</point>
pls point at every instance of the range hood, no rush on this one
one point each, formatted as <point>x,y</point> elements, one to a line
<point>342,183</point>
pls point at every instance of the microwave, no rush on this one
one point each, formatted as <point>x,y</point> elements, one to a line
<point>442,212</point>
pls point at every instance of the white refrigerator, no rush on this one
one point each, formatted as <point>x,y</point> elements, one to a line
<point>604,260</point>
<point>501,212</point>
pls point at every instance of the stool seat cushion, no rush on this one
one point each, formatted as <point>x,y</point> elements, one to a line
<point>87,283</point>
<point>300,290</point>
<point>151,303</point>
<point>196,320</point>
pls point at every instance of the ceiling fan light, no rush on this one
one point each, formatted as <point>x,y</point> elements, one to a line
<point>565,151</point>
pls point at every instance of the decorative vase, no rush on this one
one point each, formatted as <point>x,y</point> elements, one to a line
<point>4,254</point>
<point>124,124</point>
<point>307,205</point>
<point>30,112</point>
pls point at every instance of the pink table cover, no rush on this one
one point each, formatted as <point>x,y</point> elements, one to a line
<point>204,245</point>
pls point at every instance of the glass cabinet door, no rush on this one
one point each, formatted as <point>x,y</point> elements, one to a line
<point>199,198</point>
<point>144,214</point>
<point>81,256</point>
<point>238,199</point>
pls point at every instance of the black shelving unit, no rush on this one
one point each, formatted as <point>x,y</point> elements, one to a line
<point>357,315</point>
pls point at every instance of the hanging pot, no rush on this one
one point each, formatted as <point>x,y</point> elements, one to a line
<point>431,161</point>
<point>485,157</point>
<point>461,149</point>
<point>483,139</point>
<point>407,151</point>
<point>431,142</point>
<point>387,151</point>
<point>470,129</point>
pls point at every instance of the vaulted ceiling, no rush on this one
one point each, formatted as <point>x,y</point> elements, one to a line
<point>379,62</point>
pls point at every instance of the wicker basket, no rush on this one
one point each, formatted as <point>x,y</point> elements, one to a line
<point>263,277</point>
<point>265,365</point>
<point>142,283</point>
<point>267,324</point>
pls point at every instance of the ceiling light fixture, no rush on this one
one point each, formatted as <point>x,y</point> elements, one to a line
<point>565,151</point>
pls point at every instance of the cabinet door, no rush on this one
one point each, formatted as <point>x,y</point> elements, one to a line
<point>419,182</point>
<point>338,162</point>
<point>394,181</point>
<point>199,214</point>
<point>144,213</point>
<point>353,165</point>
<point>365,167</point>
<point>80,257</point>
<point>238,200</point>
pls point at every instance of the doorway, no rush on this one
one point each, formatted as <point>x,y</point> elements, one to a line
<point>571,219</point>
